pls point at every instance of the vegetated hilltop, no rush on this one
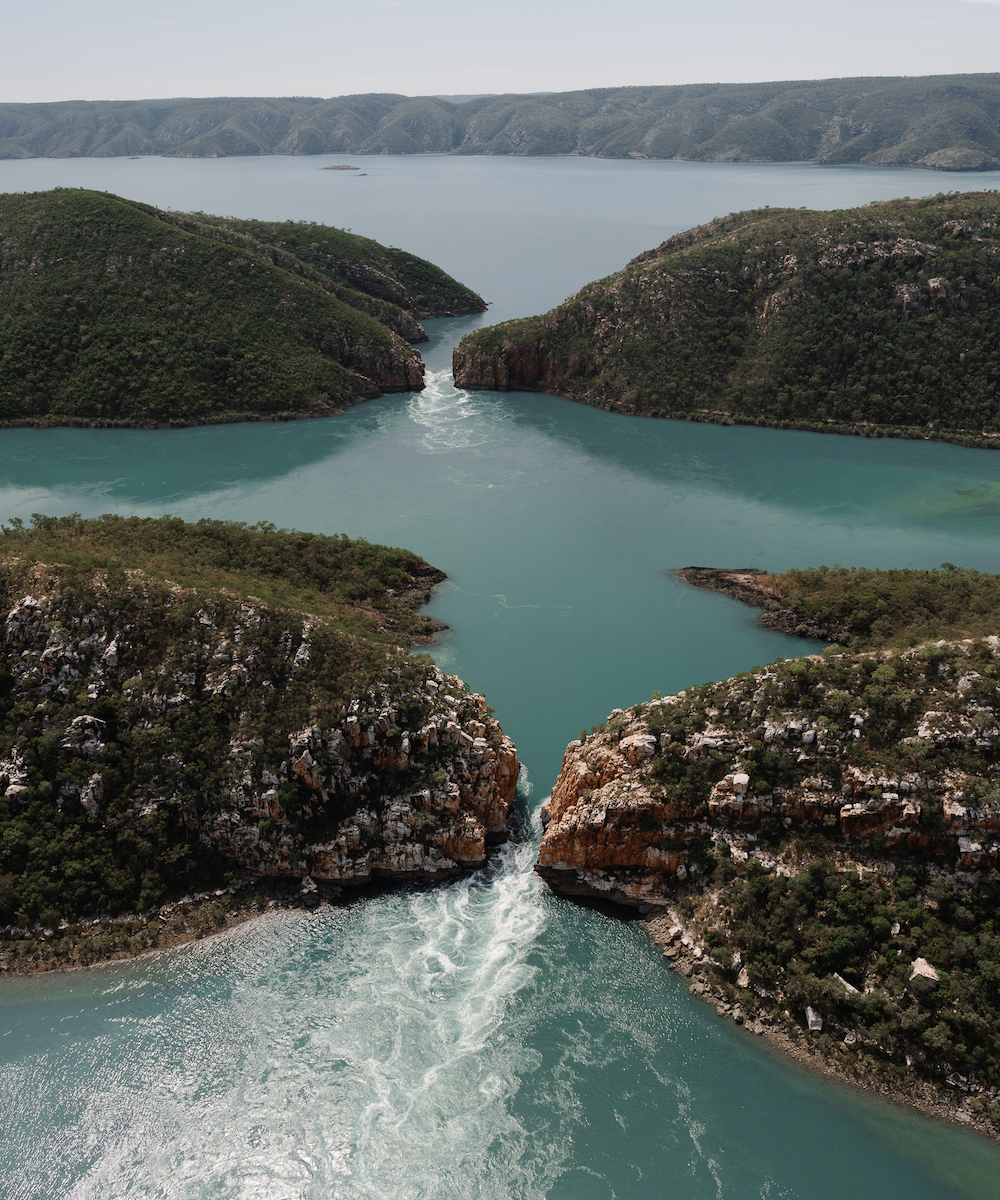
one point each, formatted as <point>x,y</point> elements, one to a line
<point>113,313</point>
<point>944,122</point>
<point>857,607</point>
<point>817,843</point>
<point>184,706</point>
<point>879,320</point>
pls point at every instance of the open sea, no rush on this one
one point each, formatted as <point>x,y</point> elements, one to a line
<point>483,1040</point>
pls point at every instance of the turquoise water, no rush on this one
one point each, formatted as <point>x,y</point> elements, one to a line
<point>483,1039</point>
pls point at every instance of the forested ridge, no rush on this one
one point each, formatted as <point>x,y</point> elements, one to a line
<point>115,313</point>
<point>881,319</point>
<point>942,122</point>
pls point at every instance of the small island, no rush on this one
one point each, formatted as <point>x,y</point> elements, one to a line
<point>877,321</point>
<point>815,845</point>
<point>201,720</point>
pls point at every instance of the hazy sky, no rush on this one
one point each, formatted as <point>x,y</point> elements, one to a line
<point>127,49</point>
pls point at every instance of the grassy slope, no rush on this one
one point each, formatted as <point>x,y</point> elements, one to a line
<point>152,578</point>
<point>113,313</point>
<point>802,319</point>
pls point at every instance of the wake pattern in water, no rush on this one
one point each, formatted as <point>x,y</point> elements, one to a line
<point>449,418</point>
<point>352,1053</point>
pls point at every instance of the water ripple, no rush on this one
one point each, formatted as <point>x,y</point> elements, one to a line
<point>355,1053</point>
<point>451,419</point>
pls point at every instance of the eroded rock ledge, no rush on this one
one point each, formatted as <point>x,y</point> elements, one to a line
<point>369,794</point>
<point>815,845</point>
<point>789,747</point>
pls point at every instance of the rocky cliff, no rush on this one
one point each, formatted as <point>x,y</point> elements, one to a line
<point>873,321</point>
<point>902,747</point>
<point>825,833</point>
<point>158,737</point>
<point>358,797</point>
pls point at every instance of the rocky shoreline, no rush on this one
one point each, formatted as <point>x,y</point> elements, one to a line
<point>748,585</point>
<point>819,881</point>
<point>761,1017</point>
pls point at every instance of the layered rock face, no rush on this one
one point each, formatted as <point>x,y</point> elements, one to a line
<point>192,716</point>
<point>389,802</point>
<point>883,752</point>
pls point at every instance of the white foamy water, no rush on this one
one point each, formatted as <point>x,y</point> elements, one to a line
<point>354,1052</point>
<point>449,417</point>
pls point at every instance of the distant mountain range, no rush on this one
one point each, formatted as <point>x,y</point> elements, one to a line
<point>944,122</point>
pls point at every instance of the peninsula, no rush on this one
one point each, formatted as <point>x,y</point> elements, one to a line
<point>815,844</point>
<point>189,709</point>
<point>876,321</point>
<point>114,313</point>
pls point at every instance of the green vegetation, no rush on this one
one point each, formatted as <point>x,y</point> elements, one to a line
<point>944,122</point>
<point>860,608</point>
<point>326,575</point>
<point>797,932</point>
<point>151,648</point>
<point>360,270</point>
<point>113,313</point>
<point>864,842</point>
<point>875,321</point>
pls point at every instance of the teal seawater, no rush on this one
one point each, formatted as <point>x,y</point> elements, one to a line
<point>483,1039</point>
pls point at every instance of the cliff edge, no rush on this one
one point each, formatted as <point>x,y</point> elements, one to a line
<point>190,707</point>
<point>816,844</point>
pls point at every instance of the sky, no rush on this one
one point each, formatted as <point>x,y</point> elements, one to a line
<point>136,49</point>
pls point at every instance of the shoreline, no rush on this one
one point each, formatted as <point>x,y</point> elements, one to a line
<point>223,417</point>
<point>967,438</point>
<point>120,939</point>
<point>683,954</point>
<point>747,585</point>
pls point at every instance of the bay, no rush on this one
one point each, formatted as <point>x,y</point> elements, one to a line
<point>483,1038</point>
